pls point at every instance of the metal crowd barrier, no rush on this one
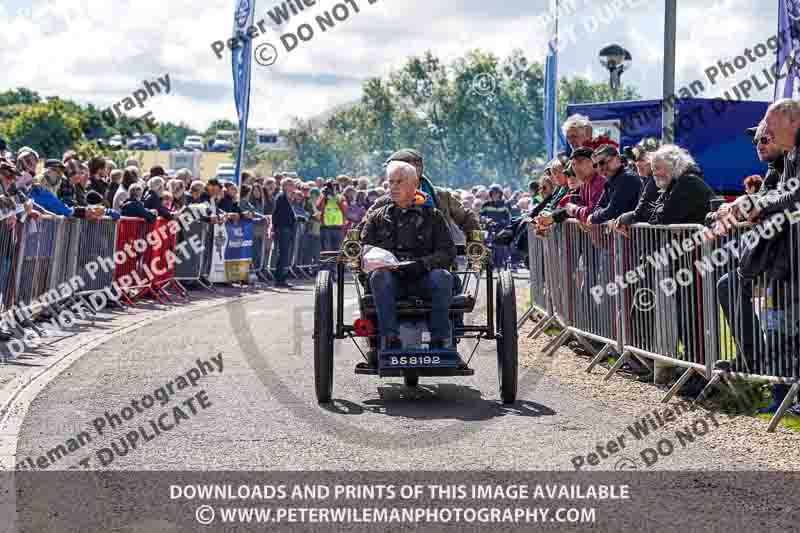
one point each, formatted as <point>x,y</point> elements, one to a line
<point>96,239</point>
<point>266,270</point>
<point>191,268</point>
<point>65,255</point>
<point>9,238</point>
<point>671,295</point>
<point>664,306</point>
<point>590,263</point>
<point>541,304</point>
<point>260,229</point>
<point>296,268</point>
<point>37,244</point>
<point>753,323</point>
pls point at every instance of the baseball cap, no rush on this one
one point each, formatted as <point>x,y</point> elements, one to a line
<point>54,163</point>
<point>26,150</point>
<point>584,153</point>
<point>606,149</point>
<point>406,155</point>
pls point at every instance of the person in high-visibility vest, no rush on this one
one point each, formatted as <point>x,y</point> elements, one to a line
<point>333,206</point>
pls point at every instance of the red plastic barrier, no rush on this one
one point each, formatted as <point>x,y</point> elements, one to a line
<point>161,259</point>
<point>148,266</point>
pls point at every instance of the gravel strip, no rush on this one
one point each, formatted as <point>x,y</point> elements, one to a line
<point>737,435</point>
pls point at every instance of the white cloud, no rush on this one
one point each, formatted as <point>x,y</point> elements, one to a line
<point>99,51</point>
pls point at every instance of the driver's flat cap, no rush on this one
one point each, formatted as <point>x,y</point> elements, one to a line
<point>406,155</point>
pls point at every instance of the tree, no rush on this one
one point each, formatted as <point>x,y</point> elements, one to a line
<point>582,91</point>
<point>19,96</point>
<point>47,128</point>
<point>221,124</point>
<point>174,134</point>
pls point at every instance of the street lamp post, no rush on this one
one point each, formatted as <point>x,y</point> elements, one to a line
<point>670,26</point>
<point>616,60</point>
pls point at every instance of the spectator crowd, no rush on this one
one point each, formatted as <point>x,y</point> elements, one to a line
<point>594,183</point>
<point>661,184</point>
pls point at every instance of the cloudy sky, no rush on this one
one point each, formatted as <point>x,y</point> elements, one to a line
<point>100,51</point>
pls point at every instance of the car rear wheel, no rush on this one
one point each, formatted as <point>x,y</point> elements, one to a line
<point>507,356</point>
<point>323,337</point>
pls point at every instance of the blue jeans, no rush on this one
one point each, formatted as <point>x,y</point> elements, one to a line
<point>436,285</point>
<point>285,239</point>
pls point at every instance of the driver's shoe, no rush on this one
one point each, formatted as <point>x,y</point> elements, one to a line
<point>372,360</point>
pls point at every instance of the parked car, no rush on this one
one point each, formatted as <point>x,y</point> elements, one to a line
<point>116,141</point>
<point>225,175</point>
<point>225,168</point>
<point>146,141</point>
<point>193,142</point>
<point>223,141</point>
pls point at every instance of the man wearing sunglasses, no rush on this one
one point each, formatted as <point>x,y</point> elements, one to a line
<point>621,190</point>
<point>769,152</point>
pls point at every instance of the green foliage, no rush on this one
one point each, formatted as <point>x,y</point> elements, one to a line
<point>469,132</point>
<point>173,134</point>
<point>222,124</point>
<point>476,120</point>
<point>88,149</point>
<point>19,96</point>
<point>48,128</point>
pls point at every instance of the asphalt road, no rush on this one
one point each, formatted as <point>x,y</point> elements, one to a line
<point>260,412</point>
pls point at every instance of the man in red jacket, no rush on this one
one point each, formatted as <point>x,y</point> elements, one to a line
<point>589,192</point>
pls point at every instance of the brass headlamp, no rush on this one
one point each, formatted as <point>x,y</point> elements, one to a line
<point>351,249</point>
<point>476,250</point>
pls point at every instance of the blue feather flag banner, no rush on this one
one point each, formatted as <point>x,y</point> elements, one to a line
<point>788,46</point>
<point>550,81</point>
<point>241,58</point>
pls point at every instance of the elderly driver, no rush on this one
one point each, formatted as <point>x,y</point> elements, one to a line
<point>413,230</point>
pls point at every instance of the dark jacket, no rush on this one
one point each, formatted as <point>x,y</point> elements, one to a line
<point>773,176</point>
<point>72,195</point>
<point>450,206</point>
<point>228,205</point>
<point>620,194</point>
<point>647,202</point>
<point>269,205</point>
<point>419,233</point>
<point>135,208</point>
<point>96,184</point>
<point>559,212</point>
<point>110,192</point>
<point>152,200</point>
<point>283,215</point>
<point>770,183</point>
<point>551,202</point>
<point>782,197</point>
<point>685,200</point>
<point>498,212</point>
